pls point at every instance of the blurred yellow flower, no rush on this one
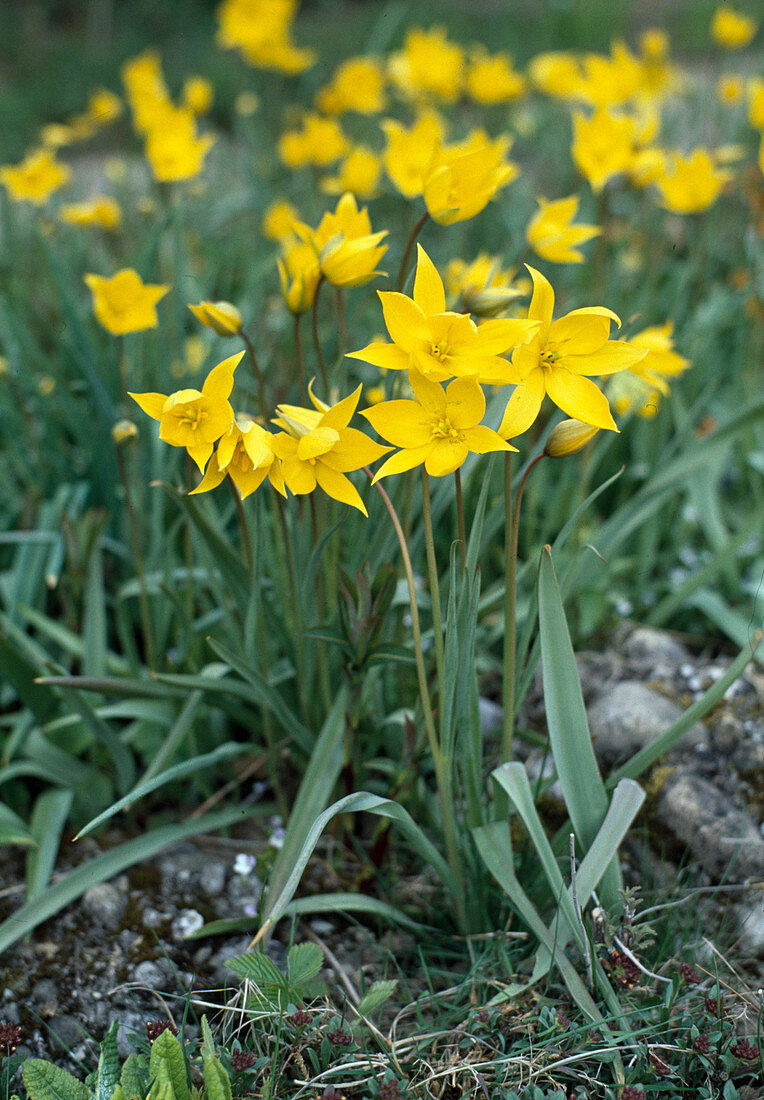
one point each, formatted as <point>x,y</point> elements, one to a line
<point>123,431</point>
<point>375,394</point>
<point>610,81</point>
<point>146,90</point>
<point>173,149</point>
<point>732,29</point>
<point>438,429</point>
<point>428,66</point>
<point>481,287</point>
<point>194,419</point>
<point>320,449</point>
<point>603,145</point>
<point>661,361</point>
<point>261,30</point>
<point>491,78</point>
<point>197,94</point>
<point>730,89</point>
<point>462,180</point>
<point>556,360</point>
<point>104,213</point>
<point>551,234</point>
<point>46,385</point>
<point>299,274</point>
<point>319,141</point>
<point>409,153</point>
<point>692,183</point>
<point>55,135</point>
<point>440,343</point>
<point>358,84</point>
<point>36,178</point>
<point>103,106</point>
<point>755,91</point>
<point>222,317</point>
<point>279,220</point>
<point>629,392</point>
<point>359,173</point>
<point>245,453</point>
<point>556,73</point>
<point>124,303</point>
<point>348,251</point>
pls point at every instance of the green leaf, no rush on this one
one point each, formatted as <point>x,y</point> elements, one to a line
<point>257,967</point>
<point>13,829</point>
<point>134,1077</point>
<point>216,1080</point>
<point>50,814</point>
<point>303,963</point>
<point>208,1048</point>
<point>21,672</point>
<point>387,653</point>
<point>108,1076</point>
<point>570,740</point>
<point>94,628</point>
<point>167,1054</point>
<point>375,996</point>
<point>44,1081</point>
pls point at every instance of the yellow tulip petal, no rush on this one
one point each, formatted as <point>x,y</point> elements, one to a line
<point>481,439</point>
<point>465,403</point>
<point>151,403</point>
<point>446,456</point>
<point>499,335</point>
<point>429,394</point>
<point>578,335</point>
<point>402,423</point>
<point>386,356</point>
<point>353,451</point>
<point>339,415</point>
<point>213,475</point>
<point>337,486</point>
<point>614,356</point>
<point>523,406</point>
<point>200,453</point>
<point>404,460</point>
<point>405,321</point>
<point>246,481</point>
<point>542,302</point>
<point>219,382</point>
<point>579,398</point>
<point>429,293</point>
<point>300,477</point>
<point>316,443</point>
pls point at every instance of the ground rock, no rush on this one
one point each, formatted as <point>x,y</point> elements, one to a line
<point>106,904</point>
<point>631,715</point>
<point>721,837</point>
<point>654,647</point>
<point>751,916</point>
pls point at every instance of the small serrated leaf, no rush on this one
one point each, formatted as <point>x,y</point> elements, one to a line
<point>167,1058</point>
<point>257,968</point>
<point>216,1079</point>
<point>376,995</point>
<point>107,1075</point>
<point>304,962</point>
<point>44,1081</point>
<point>134,1078</point>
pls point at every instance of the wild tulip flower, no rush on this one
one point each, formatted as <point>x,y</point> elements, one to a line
<point>603,145</point>
<point>482,287</point>
<point>261,30</point>
<point>173,149</point>
<point>35,178</point>
<point>222,317</point>
<point>279,221</point>
<point>319,141</point>
<point>691,184</point>
<point>556,360</point>
<point>359,174</point>
<point>195,419</point>
<point>124,303</point>
<point>731,29</point>
<point>442,344</point>
<point>557,73</point>
<point>318,448</point>
<point>245,454</point>
<point>460,184</point>
<point>492,79</point>
<point>568,437</point>
<point>358,84</point>
<point>103,213</point>
<point>610,81</point>
<point>197,94</point>
<point>299,274</point>
<point>552,235</point>
<point>428,66</point>
<point>755,89</point>
<point>348,251</point>
<point>409,152</point>
<point>103,107</point>
<point>438,429</point>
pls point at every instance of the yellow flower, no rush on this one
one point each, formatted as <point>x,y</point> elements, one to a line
<point>299,274</point>
<point>492,79</point>
<point>124,303</point>
<point>104,213</point>
<point>103,107</point>
<point>318,448</point>
<point>729,89</point>
<point>557,73</point>
<point>462,180</point>
<point>320,141</point>
<point>146,90</point>
<point>691,184</point>
<point>409,153</point>
<point>375,394</point>
<point>557,358</point>
<point>198,94</point>
<point>36,178</point>
<point>551,234</point>
<point>731,29</point>
<point>222,317</point>
<point>481,287</point>
<point>439,428</point>
<point>55,135</point>
<point>279,220</point>
<point>439,343</point>
<point>173,148</point>
<point>245,453</point>
<point>756,103</point>
<point>358,173</point>
<point>348,250</point>
<point>194,419</point>
<point>603,145</point>
<point>123,431</point>
<point>358,84</point>
<point>629,392</point>
<point>661,361</point>
<point>261,31</point>
<point>610,81</point>
<point>428,66</point>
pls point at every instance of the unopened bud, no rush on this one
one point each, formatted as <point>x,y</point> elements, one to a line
<point>567,437</point>
<point>222,317</point>
<point>123,431</point>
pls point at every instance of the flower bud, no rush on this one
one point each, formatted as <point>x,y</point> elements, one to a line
<point>123,431</point>
<point>222,317</point>
<point>567,437</point>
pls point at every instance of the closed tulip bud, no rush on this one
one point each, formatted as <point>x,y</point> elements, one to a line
<point>123,431</point>
<point>222,317</point>
<point>567,437</point>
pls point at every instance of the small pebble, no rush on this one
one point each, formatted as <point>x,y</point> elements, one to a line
<point>186,923</point>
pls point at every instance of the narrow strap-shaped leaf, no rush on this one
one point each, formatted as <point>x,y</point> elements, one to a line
<point>51,810</point>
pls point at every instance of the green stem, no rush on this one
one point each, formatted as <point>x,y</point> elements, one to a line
<point>291,598</point>
<point>135,539</point>
<point>511,538</point>
<point>432,572</point>
<point>461,527</point>
<point>441,778</point>
<point>321,654</point>
<point>407,251</point>
<point>341,330</point>
<point>317,342</point>
<point>258,374</point>
<point>299,358</point>
<point>245,539</point>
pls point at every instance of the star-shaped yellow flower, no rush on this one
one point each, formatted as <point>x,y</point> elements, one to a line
<point>124,303</point>
<point>440,428</point>
<point>36,178</point>
<point>245,453</point>
<point>195,419</point>
<point>441,343</point>
<point>462,179</point>
<point>556,359</point>
<point>552,235</point>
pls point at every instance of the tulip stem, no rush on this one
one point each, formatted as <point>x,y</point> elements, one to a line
<point>258,374</point>
<point>407,251</point>
<point>323,667</point>
<point>461,527</point>
<point>245,539</point>
<point>317,342</point>
<point>135,539</point>
<point>298,357</point>
<point>441,777</point>
<point>432,570</point>
<point>511,538</point>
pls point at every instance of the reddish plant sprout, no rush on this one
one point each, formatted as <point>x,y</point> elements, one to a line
<point>10,1037</point>
<point>154,1029</point>
<point>633,1092</point>
<point>714,1005</point>
<point>660,1068</point>
<point>744,1050</point>
<point>339,1038</point>
<point>702,1044</point>
<point>389,1090</point>
<point>690,976</point>
<point>625,972</point>
<point>331,1093</point>
<point>242,1060</point>
<point>299,1018</point>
